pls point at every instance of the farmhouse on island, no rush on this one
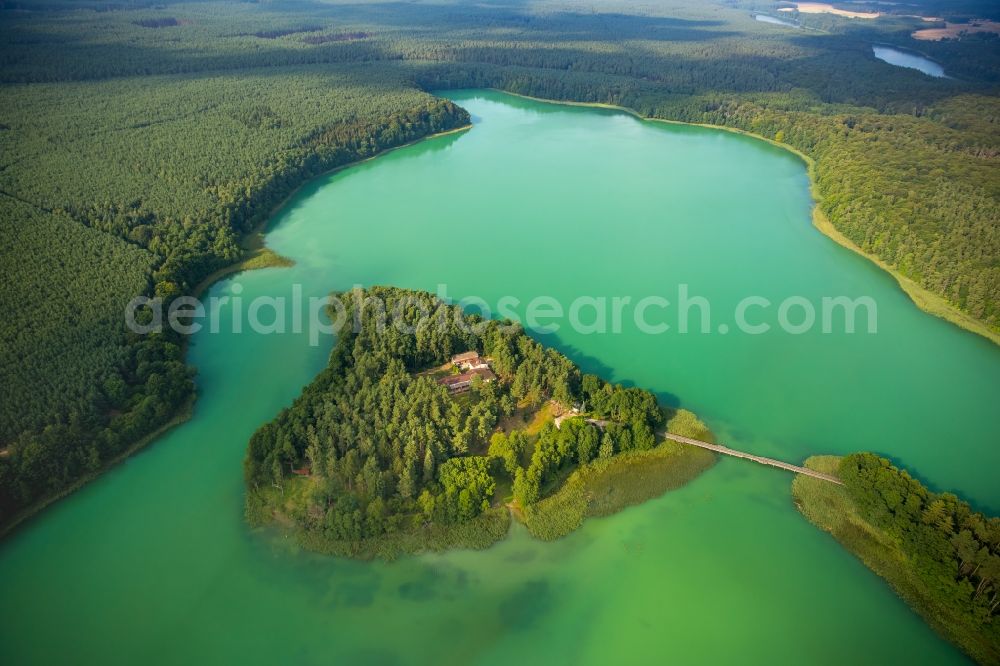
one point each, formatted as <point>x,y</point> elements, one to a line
<point>469,361</point>
<point>474,366</point>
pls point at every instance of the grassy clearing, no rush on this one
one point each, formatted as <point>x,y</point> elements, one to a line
<point>543,415</point>
<point>532,422</point>
<point>831,508</point>
<point>523,418</point>
<point>265,258</point>
<point>438,371</point>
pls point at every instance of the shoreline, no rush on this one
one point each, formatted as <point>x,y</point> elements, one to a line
<point>831,509</point>
<point>254,240</point>
<point>182,416</point>
<point>260,256</point>
<point>925,300</point>
<point>597,489</point>
<point>907,49</point>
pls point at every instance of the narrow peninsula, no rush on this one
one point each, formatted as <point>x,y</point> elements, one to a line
<point>937,553</point>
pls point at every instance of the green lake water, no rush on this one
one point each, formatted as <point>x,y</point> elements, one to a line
<point>154,564</point>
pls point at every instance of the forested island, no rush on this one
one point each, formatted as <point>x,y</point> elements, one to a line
<point>144,142</point>
<point>937,553</point>
<point>394,449</point>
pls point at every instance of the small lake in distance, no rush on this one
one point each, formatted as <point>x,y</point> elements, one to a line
<point>763,18</point>
<point>908,59</point>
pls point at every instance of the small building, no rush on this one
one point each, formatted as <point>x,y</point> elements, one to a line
<point>463,382</point>
<point>469,361</point>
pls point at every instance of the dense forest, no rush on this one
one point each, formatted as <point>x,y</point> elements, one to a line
<point>171,130</point>
<point>88,391</point>
<point>939,554</point>
<point>79,389</point>
<point>389,450</point>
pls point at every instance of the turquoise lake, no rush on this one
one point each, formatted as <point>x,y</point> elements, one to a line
<point>153,563</point>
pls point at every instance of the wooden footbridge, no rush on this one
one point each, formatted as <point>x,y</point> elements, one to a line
<point>718,448</point>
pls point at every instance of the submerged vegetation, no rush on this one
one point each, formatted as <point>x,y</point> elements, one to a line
<point>939,555</point>
<point>378,457</point>
<point>165,132</point>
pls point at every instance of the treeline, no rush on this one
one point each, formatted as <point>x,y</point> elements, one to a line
<point>914,193</point>
<point>191,213</point>
<point>952,551</point>
<point>673,45</point>
<point>389,451</point>
<point>80,45</point>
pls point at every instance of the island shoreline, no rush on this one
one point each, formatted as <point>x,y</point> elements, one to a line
<point>291,488</point>
<point>557,515</point>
